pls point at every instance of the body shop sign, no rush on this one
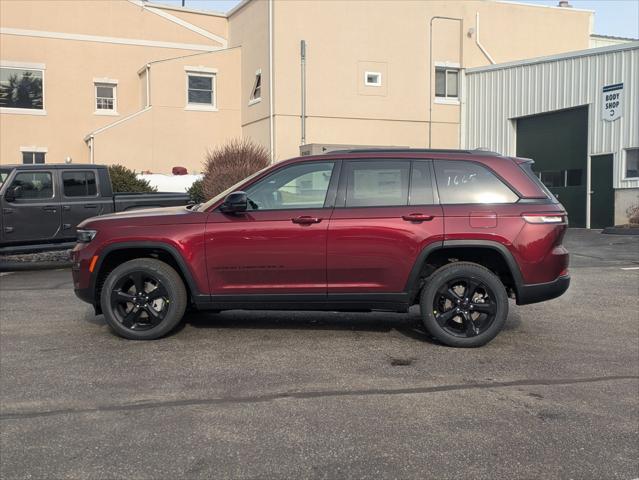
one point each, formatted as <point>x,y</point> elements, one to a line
<point>611,101</point>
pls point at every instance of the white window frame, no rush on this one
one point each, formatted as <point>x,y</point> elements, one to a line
<point>377,83</point>
<point>625,163</point>
<point>26,66</point>
<point>201,72</point>
<point>105,82</point>
<point>253,100</point>
<point>448,67</point>
<point>33,149</point>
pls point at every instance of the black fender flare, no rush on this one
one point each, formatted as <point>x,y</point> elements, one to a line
<point>413,280</point>
<point>144,245</point>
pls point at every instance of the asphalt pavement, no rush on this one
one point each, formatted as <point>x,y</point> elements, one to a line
<point>326,395</point>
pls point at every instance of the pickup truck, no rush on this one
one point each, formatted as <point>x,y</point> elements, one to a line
<point>41,205</point>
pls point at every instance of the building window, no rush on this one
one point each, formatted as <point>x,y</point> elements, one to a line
<point>632,163</point>
<point>33,157</point>
<point>256,93</point>
<point>373,79</point>
<point>200,91</point>
<point>105,98</point>
<point>447,83</point>
<point>22,89</point>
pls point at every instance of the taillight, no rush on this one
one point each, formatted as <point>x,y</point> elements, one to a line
<point>544,218</point>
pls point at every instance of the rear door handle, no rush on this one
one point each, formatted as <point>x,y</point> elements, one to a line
<point>417,217</point>
<point>306,220</point>
<point>49,208</point>
<point>90,205</point>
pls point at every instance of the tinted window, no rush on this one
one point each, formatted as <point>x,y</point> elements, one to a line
<point>79,184</point>
<point>421,185</point>
<point>554,178</point>
<point>377,183</point>
<point>33,185</point>
<point>294,187</point>
<point>469,182</point>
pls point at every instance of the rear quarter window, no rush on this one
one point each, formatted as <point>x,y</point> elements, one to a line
<point>461,182</point>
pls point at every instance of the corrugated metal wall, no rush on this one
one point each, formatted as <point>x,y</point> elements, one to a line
<point>496,96</point>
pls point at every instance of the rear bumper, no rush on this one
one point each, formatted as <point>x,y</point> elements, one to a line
<point>540,292</point>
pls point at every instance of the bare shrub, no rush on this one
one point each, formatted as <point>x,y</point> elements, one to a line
<point>230,163</point>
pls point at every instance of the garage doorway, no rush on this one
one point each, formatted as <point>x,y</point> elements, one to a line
<point>602,195</point>
<point>558,143</point>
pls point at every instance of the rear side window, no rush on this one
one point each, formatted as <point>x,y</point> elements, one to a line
<point>421,185</point>
<point>527,167</point>
<point>79,184</point>
<point>377,183</point>
<point>33,185</point>
<point>462,182</point>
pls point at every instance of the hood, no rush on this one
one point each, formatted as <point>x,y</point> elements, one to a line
<point>148,216</point>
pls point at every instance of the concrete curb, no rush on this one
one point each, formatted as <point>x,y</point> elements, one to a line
<point>621,231</point>
<point>28,266</point>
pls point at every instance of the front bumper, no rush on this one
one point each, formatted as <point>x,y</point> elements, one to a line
<point>540,292</point>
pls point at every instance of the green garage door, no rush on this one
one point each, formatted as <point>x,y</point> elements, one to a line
<point>558,143</point>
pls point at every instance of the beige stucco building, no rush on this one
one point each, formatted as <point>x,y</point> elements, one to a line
<point>152,87</point>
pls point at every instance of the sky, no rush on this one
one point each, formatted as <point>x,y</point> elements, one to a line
<point>619,18</point>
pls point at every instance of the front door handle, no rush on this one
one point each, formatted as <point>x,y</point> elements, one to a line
<point>90,205</point>
<point>49,208</point>
<point>417,217</point>
<point>8,210</point>
<point>306,220</point>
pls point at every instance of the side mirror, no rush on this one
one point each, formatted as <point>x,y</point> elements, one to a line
<point>12,192</point>
<point>235,202</point>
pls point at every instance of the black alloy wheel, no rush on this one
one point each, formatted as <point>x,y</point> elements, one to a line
<point>143,299</point>
<point>464,304</point>
<point>139,301</point>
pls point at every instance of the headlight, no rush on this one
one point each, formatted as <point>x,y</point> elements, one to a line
<point>85,236</point>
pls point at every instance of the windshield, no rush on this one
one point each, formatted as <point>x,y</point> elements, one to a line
<point>4,173</point>
<point>219,196</point>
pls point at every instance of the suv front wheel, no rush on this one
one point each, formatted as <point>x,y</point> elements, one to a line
<point>143,299</point>
<point>464,305</point>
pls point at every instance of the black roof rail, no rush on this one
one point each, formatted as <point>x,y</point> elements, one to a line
<point>414,150</point>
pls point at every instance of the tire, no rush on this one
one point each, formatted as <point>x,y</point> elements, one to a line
<point>143,299</point>
<point>457,319</point>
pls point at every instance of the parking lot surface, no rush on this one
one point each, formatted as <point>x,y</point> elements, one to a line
<point>326,395</point>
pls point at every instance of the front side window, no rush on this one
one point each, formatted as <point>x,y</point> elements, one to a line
<point>447,83</point>
<point>294,187</point>
<point>105,99</point>
<point>4,174</point>
<point>377,183</point>
<point>462,182</point>
<point>21,88</point>
<point>79,184</point>
<point>29,158</point>
<point>32,185</point>
<point>201,90</point>
<point>632,163</point>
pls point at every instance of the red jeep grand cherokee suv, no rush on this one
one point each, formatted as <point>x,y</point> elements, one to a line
<point>456,232</point>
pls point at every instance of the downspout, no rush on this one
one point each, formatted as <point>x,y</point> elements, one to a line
<point>432,67</point>
<point>148,85</point>
<point>91,149</point>
<point>303,89</point>
<point>270,81</point>
<point>481,47</point>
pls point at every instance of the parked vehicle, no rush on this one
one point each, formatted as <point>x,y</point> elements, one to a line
<point>43,204</point>
<point>456,232</point>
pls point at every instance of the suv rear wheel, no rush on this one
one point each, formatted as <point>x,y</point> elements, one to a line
<point>143,299</point>
<point>464,305</point>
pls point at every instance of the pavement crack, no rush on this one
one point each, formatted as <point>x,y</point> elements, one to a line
<point>307,395</point>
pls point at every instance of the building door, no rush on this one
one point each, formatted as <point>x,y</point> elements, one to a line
<point>558,143</point>
<point>602,195</point>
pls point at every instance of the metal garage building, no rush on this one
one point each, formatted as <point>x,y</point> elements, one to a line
<point>576,115</point>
